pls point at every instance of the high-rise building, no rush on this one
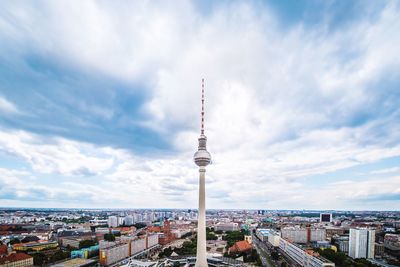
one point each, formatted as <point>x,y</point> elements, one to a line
<point>362,243</point>
<point>202,158</point>
<point>128,220</point>
<point>112,221</point>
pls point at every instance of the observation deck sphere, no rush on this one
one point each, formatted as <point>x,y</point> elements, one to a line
<point>202,158</point>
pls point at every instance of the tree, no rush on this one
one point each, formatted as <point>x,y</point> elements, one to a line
<point>39,259</point>
<point>211,236</point>
<point>140,225</point>
<point>15,241</point>
<point>59,255</point>
<point>232,237</point>
<point>109,237</point>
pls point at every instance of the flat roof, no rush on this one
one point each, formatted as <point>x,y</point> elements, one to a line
<point>74,262</point>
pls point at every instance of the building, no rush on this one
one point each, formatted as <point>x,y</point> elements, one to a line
<point>35,246</point>
<point>306,258</point>
<point>274,238</point>
<point>152,240</point>
<point>343,243</point>
<point>129,220</point>
<point>137,245</point>
<point>112,221</point>
<point>262,234</point>
<point>229,226</point>
<point>113,254</point>
<point>3,250</point>
<point>392,242</point>
<point>325,217</point>
<point>379,249</point>
<point>202,158</point>
<point>77,262</point>
<point>303,235</point>
<point>333,230</point>
<point>16,260</point>
<point>362,243</point>
<point>240,247</point>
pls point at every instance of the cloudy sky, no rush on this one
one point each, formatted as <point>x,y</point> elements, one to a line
<point>100,103</point>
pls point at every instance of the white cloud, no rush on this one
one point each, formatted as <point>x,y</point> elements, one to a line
<point>7,106</point>
<point>55,155</point>
<point>280,105</point>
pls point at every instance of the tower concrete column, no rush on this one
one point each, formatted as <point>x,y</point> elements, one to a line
<point>201,258</point>
<point>202,158</point>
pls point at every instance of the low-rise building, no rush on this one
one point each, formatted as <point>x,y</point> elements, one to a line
<point>16,260</point>
<point>228,226</point>
<point>240,247</point>
<point>262,234</point>
<point>35,246</point>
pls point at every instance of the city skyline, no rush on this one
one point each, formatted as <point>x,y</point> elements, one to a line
<point>99,104</point>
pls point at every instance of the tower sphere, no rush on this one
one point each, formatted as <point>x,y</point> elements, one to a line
<point>202,157</point>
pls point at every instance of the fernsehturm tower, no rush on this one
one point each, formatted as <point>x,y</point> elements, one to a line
<point>202,158</point>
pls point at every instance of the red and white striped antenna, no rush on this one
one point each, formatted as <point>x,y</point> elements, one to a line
<point>202,106</point>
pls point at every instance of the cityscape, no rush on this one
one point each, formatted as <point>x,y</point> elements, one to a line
<point>288,110</point>
<point>147,237</point>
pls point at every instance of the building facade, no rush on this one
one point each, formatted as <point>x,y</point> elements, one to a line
<point>362,243</point>
<point>16,260</point>
<point>303,257</point>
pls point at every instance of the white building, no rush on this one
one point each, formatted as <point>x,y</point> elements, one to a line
<point>113,254</point>
<point>152,240</point>
<point>230,226</point>
<point>302,257</point>
<point>129,220</point>
<point>362,243</point>
<point>138,245</point>
<point>274,238</point>
<point>262,234</point>
<point>303,235</point>
<point>112,221</point>
<point>295,234</point>
<point>317,234</point>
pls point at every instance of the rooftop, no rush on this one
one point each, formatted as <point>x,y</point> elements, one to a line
<point>14,257</point>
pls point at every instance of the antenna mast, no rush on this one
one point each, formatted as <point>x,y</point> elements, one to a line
<point>202,106</point>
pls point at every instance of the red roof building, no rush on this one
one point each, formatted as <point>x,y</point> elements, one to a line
<point>240,247</point>
<point>16,259</point>
<point>3,249</point>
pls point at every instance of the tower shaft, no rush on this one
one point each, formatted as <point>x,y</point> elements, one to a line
<point>201,257</point>
<point>202,158</point>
